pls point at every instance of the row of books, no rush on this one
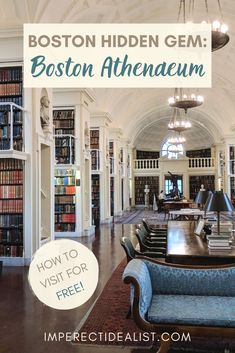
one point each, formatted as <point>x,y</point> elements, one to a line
<point>66,124</point>
<point>10,164</point>
<point>17,100</point>
<point>11,177</point>
<point>63,114</point>
<point>65,160</point>
<point>64,172</point>
<point>64,132</point>
<point>67,180</point>
<point>17,145</point>
<point>65,218</point>
<point>11,191</point>
<point>6,120</point>
<point>65,208</point>
<point>65,190</point>
<point>11,221</point>
<point>63,199</point>
<point>11,206</point>
<point>65,227</point>
<point>11,236</point>
<point>64,142</point>
<point>11,74</point>
<point>5,131</point>
<point>10,89</point>
<point>11,250</point>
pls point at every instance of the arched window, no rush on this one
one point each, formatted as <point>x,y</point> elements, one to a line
<point>171,151</point>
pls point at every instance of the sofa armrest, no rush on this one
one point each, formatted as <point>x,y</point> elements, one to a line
<point>137,274</point>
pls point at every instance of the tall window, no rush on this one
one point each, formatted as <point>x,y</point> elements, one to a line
<point>168,150</point>
<point>168,184</point>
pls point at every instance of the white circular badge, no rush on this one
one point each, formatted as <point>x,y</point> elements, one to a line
<point>63,274</point>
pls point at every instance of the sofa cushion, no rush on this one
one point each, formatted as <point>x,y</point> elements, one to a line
<point>192,310</point>
<point>186,281</point>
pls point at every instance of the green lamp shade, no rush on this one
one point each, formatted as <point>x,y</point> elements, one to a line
<point>202,196</point>
<point>219,202</point>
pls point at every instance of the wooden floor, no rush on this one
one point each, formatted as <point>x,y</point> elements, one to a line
<point>23,319</point>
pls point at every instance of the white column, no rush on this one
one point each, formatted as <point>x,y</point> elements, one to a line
<point>101,121</point>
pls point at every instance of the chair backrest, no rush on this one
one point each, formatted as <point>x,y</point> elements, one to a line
<point>140,236</point>
<point>145,225</point>
<point>128,248</point>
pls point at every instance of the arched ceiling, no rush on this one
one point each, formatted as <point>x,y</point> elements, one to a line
<point>152,136</point>
<point>128,106</point>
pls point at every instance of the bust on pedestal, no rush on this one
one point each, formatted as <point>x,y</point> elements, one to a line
<point>146,197</point>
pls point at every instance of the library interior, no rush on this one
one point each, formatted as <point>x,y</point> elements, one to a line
<point>144,177</point>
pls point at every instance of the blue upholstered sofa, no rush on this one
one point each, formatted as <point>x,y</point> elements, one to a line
<point>169,298</point>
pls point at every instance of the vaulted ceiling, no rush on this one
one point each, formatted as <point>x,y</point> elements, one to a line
<point>141,112</point>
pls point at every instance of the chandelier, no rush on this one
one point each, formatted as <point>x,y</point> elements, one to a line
<point>219,36</point>
<point>175,139</point>
<point>177,123</point>
<point>185,99</point>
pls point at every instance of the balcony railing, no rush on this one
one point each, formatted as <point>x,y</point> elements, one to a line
<point>193,163</point>
<point>96,156</point>
<point>64,149</point>
<point>201,163</point>
<point>143,164</point>
<point>11,127</point>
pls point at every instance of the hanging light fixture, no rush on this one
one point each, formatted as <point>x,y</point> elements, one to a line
<point>177,123</point>
<point>176,139</point>
<point>185,99</point>
<point>219,35</point>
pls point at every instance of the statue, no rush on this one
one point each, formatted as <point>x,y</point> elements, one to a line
<point>44,116</point>
<point>146,197</point>
<point>175,191</point>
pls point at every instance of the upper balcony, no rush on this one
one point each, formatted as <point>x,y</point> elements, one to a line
<point>193,164</point>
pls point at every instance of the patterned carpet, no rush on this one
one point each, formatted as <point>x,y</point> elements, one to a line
<point>136,216</point>
<point>108,315</point>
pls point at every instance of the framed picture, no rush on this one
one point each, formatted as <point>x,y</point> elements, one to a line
<point>199,227</point>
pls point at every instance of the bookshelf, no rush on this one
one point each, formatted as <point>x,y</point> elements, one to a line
<point>95,196</point>
<point>203,153</point>
<point>111,172</point>
<point>195,182</point>
<point>232,160</point>
<point>11,208</point>
<point>140,182</point>
<point>112,196</point>
<point>11,92</point>
<point>64,130</point>
<point>147,154</point>
<point>94,146</point>
<point>65,200</point>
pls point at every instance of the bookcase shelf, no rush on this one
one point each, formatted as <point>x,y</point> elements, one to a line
<point>11,116</point>
<point>95,195</point>
<point>147,154</point>
<point>65,200</point>
<point>195,182</point>
<point>11,208</point>
<point>140,182</point>
<point>64,131</point>
<point>203,153</point>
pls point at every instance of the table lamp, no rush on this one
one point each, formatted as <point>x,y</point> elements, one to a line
<point>202,197</point>
<point>218,202</point>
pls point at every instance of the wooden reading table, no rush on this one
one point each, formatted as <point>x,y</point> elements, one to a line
<point>185,247</point>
